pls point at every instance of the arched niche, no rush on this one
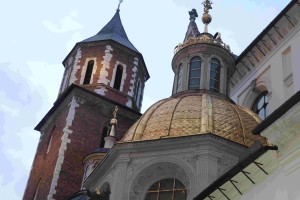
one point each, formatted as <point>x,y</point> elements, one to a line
<point>154,173</point>
<point>256,88</point>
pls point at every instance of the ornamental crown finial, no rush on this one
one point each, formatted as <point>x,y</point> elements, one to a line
<point>207,6</point>
<point>206,17</point>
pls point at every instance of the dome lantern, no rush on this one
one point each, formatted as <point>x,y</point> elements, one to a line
<point>200,102</point>
<point>203,61</point>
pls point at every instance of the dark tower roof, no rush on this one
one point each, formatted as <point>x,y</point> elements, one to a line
<point>115,31</point>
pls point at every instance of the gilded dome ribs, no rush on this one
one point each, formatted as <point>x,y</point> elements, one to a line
<point>196,114</point>
<point>241,122</point>
<point>173,115</point>
<point>139,129</point>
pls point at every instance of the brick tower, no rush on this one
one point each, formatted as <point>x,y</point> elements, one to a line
<point>100,72</point>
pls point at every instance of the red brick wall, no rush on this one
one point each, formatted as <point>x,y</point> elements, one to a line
<point>44,164</point>
<point>90,119</point>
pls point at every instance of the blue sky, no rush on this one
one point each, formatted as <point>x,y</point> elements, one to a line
<point>37,35</point>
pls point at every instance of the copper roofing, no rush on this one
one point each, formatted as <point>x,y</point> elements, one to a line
<point>193,115</point>
<point>115,31</point>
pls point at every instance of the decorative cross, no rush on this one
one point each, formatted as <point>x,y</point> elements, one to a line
<point>207,6</point>
<point>120,1</point>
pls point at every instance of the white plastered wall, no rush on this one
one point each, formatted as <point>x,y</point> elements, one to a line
<point>270,73</point>
<point>283,183</point>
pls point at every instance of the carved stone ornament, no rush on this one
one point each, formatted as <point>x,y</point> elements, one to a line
<point>202,39</point>
<point>223,165</point>
<point>191,159</point>
<point>133,166</point>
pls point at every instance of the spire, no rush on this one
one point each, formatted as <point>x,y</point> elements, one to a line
<point>206,17</point>
<point>192,30</point>
<point>110,140</point>
<point>113,30</point>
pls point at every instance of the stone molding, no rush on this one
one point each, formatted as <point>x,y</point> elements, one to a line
<point>64,142</point>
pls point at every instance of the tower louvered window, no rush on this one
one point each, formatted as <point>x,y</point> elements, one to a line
<point>214,83</point>
<point>180,76</point>
<point>88,73</point>
<point>195,73</point>
<point>118,77</point>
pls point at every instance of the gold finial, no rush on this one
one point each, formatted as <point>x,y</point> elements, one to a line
<point>120,1</point>
<point>97,190</point>
<point>206,17</point>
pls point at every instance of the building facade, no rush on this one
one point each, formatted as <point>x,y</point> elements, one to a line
<point>230,129</point>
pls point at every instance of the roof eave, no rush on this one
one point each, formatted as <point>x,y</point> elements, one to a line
<point>253,153</point>
<point>264,32</point>
<point>58,102</point>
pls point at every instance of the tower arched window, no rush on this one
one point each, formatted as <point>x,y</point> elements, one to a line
<point>137,90</point>
<point>88,72</point>
<point>260,105</point>
<point>118,77</point>
<point>179,80</point>
<point>215,68</point>
<point>169,188</point>
<point>37,190</point>
<point>50,139</point>
<point>195,73</point>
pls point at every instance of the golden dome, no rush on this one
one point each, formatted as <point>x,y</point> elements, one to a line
<point>193,115</point>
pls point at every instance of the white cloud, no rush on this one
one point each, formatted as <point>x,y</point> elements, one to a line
<point>23,102</point>
<point>9,110</point>
<point>66,24</point>
<point>8,190</point>
<point>76,37</point>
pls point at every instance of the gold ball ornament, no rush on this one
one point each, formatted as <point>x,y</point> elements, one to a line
<point>206,18</point>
